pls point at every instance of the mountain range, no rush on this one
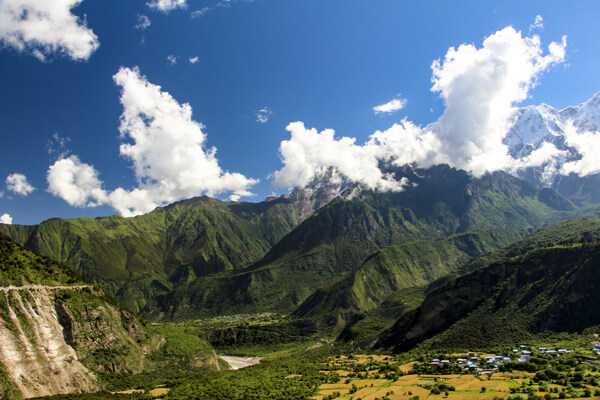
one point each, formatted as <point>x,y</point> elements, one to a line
<point>205,257</point>
<point>497,258</point>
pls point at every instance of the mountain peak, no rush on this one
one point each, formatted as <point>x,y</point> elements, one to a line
<point>535,126</point>
<point>325,187</point>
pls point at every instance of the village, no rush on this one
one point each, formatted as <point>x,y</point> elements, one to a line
<point>526,371</point>
<point>490,363</point>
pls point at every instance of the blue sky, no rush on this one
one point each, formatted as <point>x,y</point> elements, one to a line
<point>325,63</point>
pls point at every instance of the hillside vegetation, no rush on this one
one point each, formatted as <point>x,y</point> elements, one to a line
<point>338,237</point>
<point>137,259</point>
<point>408,265</point>
<point>19,267</point>
<point>544,284</point>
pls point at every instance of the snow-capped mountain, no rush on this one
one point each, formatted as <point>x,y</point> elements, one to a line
<point>536,125</point>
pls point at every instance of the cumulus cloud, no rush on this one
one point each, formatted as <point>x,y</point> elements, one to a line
<point>587,145</point>
<point>309,153</point>
<point>166,5</point>
<point>390,107</point>
<point>538,23</point>
<point>43,27</point>
<point>143,22</point>
<point>193,60</point>
<point>5,219</point>
<point>18,184</point>
<point>406,143</point>
<point>166,148</point>
<point>479,86</point>
<point>263,115</point>
<point>75,182</point>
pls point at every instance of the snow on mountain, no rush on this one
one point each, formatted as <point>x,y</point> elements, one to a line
<point>536,125</point>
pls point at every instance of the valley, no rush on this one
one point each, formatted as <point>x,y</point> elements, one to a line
<point>277,301</point>
<point>299,200</point>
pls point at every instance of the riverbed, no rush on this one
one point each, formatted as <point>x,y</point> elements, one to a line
<point>236,362</point>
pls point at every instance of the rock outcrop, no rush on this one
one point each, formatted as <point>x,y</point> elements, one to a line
<point>34,351</point>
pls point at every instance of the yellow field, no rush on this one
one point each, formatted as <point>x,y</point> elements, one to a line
<point>405,387</point>
<point>130,391</point>
<point>159,392</point>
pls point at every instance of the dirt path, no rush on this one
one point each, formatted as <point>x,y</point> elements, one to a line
<point>240,362</point>
<point>45,287</point>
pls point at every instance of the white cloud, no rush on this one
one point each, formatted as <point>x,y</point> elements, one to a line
<point>166,148</point>
<point>587,145</point>
<point>538,23</point>
<point>263,115</point>
<point>5,219</point>
<point>193,60</point>
<point>309,154</point>
<point>200,12</point>
<point>18,184</point>
<point>479,88</point>
<point>540,156</point>
<point>45,27</point>
<point>172,59</point>
<point>75,182</point>
<point>143,22</point>
<point>405,143</point>
<point>224,3</point>
<point>166,5</point>
<point>390,107</point>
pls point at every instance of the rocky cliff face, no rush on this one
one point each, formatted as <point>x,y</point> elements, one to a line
<point>54,338</point>
<point>35,351</point>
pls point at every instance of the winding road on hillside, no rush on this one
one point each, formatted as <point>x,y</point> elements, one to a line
<point>45,287</point>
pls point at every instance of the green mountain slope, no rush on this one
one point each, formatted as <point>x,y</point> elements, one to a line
<point>19,267</point>
<point>364,328</point>
<point>203,256</point>
<point>547,283</point>
<point>339,236</point>
<point>137,259</point>
<point>443,201</point>
<point>398,267</point>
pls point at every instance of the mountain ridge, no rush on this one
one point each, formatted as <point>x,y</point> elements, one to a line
<point>339,236</point>
<point>203,256</point>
